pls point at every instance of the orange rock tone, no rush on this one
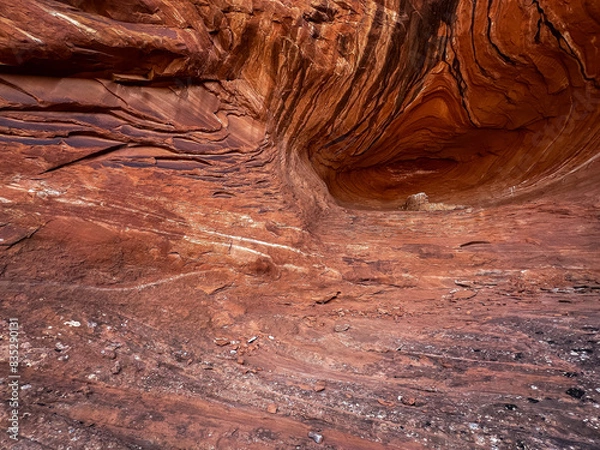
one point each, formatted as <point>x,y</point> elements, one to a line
<point>343,224</point>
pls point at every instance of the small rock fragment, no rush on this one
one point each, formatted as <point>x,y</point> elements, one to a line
<point>409,401</point>
<point>59,347</point>
<point>108,353</point>
<point>463,294</point>
<point>116,368</point>
<point>385,403</point>
<point>272,408</point>
<point>252,339</point>
<point>326,298</point>
<point>221,342</point>
<point>319,387</point>
<point>420,202</point>
<point>416,202</point>
<point>180,355</point>
<point>341,327</point>
<point>318,438</point>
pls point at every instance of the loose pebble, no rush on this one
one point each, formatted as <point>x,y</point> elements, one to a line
<point>318,438</point>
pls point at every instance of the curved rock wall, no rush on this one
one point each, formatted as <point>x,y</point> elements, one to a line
<point>466,101</point>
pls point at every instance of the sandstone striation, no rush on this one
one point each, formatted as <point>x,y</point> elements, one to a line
<point>290,224</point>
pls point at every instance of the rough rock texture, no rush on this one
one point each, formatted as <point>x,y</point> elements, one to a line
<point>206,237</point>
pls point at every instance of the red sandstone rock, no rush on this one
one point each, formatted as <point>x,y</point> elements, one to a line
<point>181,177</point>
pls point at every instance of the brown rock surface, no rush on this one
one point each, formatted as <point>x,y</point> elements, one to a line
<point>204,219</point>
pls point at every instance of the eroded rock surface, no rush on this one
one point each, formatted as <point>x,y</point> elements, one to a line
<point>206,238</point>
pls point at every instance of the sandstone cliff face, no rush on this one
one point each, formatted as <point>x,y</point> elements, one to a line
<point>467,101</point>
<point>377,220</point>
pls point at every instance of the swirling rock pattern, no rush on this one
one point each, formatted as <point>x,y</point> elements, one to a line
<point>373,220</point>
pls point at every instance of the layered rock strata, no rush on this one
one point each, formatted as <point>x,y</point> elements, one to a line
<point>229,224</point>
<point>466,101</point>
